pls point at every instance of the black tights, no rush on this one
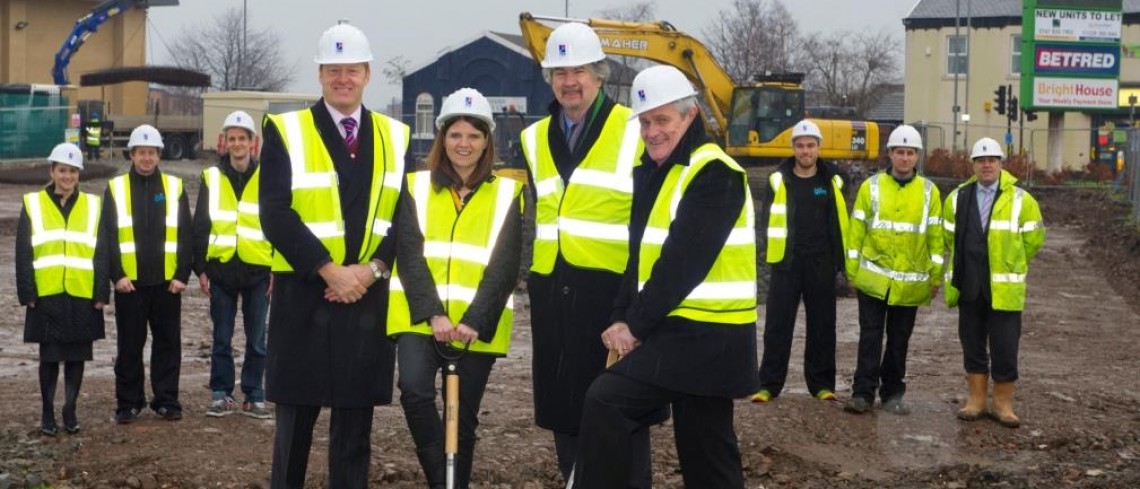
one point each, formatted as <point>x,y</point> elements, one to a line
<point>72,379</point>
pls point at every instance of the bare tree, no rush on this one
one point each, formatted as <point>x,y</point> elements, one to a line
<point>627,66</point>
<point>395,69</point>
<point>752,37</point>
<point>233,60</point>
<point>851,69</point>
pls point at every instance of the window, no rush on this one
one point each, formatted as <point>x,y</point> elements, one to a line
<point>425,115</point>
<point>1015,55</point>
<point>957,55</point>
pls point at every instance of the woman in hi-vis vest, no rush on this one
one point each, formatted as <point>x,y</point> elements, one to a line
<point>63,277</point>
<point>457,264</point>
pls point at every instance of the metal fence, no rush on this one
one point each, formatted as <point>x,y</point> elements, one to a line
<point>31,132</point>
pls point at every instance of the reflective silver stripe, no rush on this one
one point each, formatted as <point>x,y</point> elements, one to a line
<point>775,180</point>
<point>1015,216</point>
<point>250,233</point>
<point>548,232</point>
<point>392,180</point>
<point>678,192</point>
<point>249,208</point>
<point>215,185</point>
<point>933,221</point>
<point>954,202</point>
<point>324,229</point>
<point>41,237</point>
<point>530,140</point>
<point>120,194</point>
<point>223,216</point>
<point>1009,278</point>
<point>458,251</point>
<point>1030,226</point>
<point>859,214</point>
<point>126,247</point>
<point>395,285</point>
<point>927,189</point>
<point>838,181</point>
<point>587,229</point>
<point>1000,225</point>
<point>421,192</point>
<point>380,227</point>
<point>852,254</point>
<point>314,180</point>
<point>894,275</point>
<point>296,146</point>
<point>173,195</point>
<point>719,290</point>
<point>171,247</point>
<point>79,238</point>
<point>741,236</point>
<point>547,186</point>
<point>94,209</point>
<point>779,209</point>
<point>948,226</point>
<point>223,240</point>
<point>63,261</point>
<point>654,236</point>
<point>778,233</point>
<point>602,179</point>
<point>36,217</point>
<point>937,259</point>
<point>503,201</point>
<point>898,227</point>
<point>628,153</point>
<point>399,133</point>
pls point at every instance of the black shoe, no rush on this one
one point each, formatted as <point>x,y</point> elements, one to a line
<point>169,413</point>
<point>857,405</point>
<point>71,429</point>
<point>49,429</point>
<point>895,405</point>
<point>126,415</point>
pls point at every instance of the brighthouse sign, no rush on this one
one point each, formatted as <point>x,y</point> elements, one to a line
<point>1076,54</point>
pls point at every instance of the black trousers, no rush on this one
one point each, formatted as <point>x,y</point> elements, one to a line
<point>640,459</point>
<point>420,364</point>
<point>616,406</point>
<point>978,325</point>
<point>875,365</point>
<point>812,279</point>
<point>155,306</point>
<point>350,446</point>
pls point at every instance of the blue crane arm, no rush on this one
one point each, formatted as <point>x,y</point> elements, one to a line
<point>83,29</point>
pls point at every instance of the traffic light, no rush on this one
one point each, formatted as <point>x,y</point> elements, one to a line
<point>999,100</point>
<point>1030,116</point>
<point>1012,108</point>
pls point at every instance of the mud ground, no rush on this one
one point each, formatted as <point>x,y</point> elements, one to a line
<point>1077,396</point>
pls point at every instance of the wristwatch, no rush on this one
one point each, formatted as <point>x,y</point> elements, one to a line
<point>377,272</point>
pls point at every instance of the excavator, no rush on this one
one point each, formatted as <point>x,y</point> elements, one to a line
<point>753,122</point>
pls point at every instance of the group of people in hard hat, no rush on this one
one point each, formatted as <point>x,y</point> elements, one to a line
<point>642,286</point>
<point>891,251</point>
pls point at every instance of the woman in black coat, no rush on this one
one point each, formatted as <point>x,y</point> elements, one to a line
<point>63,277</point>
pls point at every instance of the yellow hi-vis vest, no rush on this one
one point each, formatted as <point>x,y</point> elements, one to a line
<point>728,293</point>
<point>94,134</point>
<point>587,221</point>
<point>63,250</point>
<point>316,192</point>
<point>458,246</point>
<point>235,227</point>
<point>894,244</point>
<point>121,190</point>
<point>778,215</point>
<point>1014,237</point>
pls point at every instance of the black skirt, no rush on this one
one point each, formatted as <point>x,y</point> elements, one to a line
<point>66,352</point>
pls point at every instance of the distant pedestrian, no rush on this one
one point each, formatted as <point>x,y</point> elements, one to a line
<point>993,230</point>
<point>63,277</point>
<point>147,217</point>
<point>806,223</point>
<point>894,260</point>
<point>232,258</point>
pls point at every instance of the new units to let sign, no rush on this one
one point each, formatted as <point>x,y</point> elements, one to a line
<point>1076,54</point>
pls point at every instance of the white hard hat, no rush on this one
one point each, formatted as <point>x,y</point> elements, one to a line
<point>343,44</point>
<point>905,136</point>
<point>240,119</point>
<point>572,44</point>
<point>806,128</point>
<point>68,154</point>
<point>465,101</point>
<point>145,135</point>
<point>987,147</point>
<point>656,86</point>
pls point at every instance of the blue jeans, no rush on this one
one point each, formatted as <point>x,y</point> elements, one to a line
<point>223,311</point>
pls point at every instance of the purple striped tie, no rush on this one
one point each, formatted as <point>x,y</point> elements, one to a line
<point>349,131</point>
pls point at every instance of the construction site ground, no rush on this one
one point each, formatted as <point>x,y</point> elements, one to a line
<point>1077,397</point>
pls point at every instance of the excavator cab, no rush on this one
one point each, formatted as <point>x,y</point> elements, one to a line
<point>760,114</point>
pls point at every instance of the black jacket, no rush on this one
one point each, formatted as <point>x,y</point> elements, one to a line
<point>495,288</point>
<point>148,210</point>
<point>233,273</point>
<point>693,357</point>
<point>828,170</point>
<point>60,318</point>
<point>323,353</point>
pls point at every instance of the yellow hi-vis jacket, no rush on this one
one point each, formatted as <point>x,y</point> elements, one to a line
<point>778,215</point>
<point>63,249</point>
<point>1015,235</point>
<point>894,247</point>
<point>728,293</point>
<point>316,187</point>
<point>235,227</point>
<point>587,221</point>
<point>458,247</point>
<point>121,190</point>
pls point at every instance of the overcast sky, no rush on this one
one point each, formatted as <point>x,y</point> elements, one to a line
<point>419,29</point>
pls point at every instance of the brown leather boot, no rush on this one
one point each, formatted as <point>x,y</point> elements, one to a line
<point>1003,405</point>
<point>976,404</point>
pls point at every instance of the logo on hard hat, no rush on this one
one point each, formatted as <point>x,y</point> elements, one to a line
<point>339,47</point>
<point>641,95</point>
<point>238,118</point>
<point>562,50</point>
<point>70,155</point>
<point>904,140</point>
<point>467,101</point>
<point>146,137</point>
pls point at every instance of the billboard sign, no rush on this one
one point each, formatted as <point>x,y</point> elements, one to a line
<point>1069,93</point>
<point>1076,59</point>
<point>1077,25</point>
<point>1075,47</point>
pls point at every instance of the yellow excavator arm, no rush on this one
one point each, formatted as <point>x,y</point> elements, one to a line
<point>660,42</point>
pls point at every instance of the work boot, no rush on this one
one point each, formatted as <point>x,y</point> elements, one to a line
<point>762,396</point>
<point>857,405</point>
<point>1003,405</point>
<point>976,404</point>
<point>895,405</point>
<point>826,395</point>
